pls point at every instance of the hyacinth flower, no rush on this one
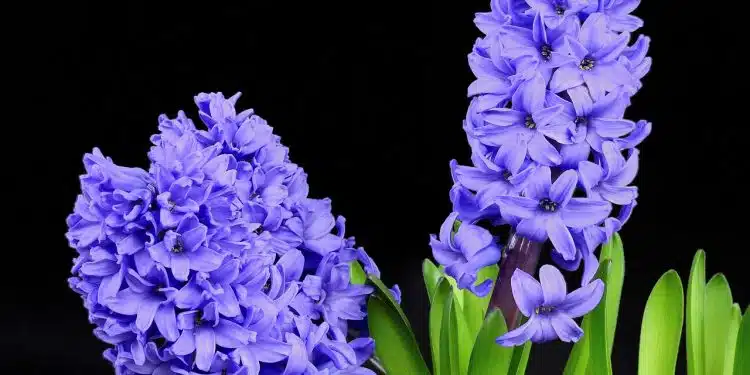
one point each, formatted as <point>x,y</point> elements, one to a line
<point>198,264</point>
<point>560,76</point>
<point>549,307</point>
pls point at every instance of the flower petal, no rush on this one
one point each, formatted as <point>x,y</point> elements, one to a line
<point>553,285</point>
<point>521,207</point>
<point>542,152</point>
<point>471,238</point>
<point>520,335</point>
<point>545,332</point>
<point>610,128</point>
<point>527,292</point>
<point>204,259</point>
<point>180,266</point>
<point>628,172</point>
<point>166,322</point>
<point>560,237</point>
<point>185,344</point>
<point>534,228</point>
<point>231,335</point>
<point>562,190</point>
<point>582,212</point>
<point>146,313</point>
<point>503,116</point>
<point>566,328</point>
<point>620,195</point>
<point>205,347</point>
<point>582,300</point>
<point>590,174</point>
<point>565,77</point>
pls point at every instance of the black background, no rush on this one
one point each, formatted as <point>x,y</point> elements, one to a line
<point>370,101</point>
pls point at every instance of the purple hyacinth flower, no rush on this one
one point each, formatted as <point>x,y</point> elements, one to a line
<point>330,293</point>
<point>496,78</point>
<point>465,253</point>
<point>537,49</point>
<point>618,14</point>
<point>610,181</point>
<point>183,249</point>
<point>595,122</point>
<point>549,210</point>
<point>179,197</point>
<point>556,12</point>
<point>262,350</point>
<point>524,128</point>
<point>312,227</point>
<point>150,299</point>
<point>549,307</point>
<point>491,180</point>
<point>203,330</point>
<point>636,62</point>
<point>502,12</point>
<point>596,54</point>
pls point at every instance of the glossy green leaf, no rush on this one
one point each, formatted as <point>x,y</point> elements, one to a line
<point>716,319</point>
<point>661,327</point>
<point>475,308</point>
<point>431,275</point>
<point>696,295</point>
<point>437,308</point>
<point>463,341</point>
<point>383,291</point>
<point>487,357</point>
<point>520,359</point>
<point>613,250</point>
<point>599,358</point>
<point>395,344</point>
<point>742,348</point>
<point>734,328</point>
<point>580,356</point>
<point>356,273</point>
<point>449,360</point>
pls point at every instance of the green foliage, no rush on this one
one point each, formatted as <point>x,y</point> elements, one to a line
<point>487,357</point>
<point>696,295</point>
<point>661,327</point>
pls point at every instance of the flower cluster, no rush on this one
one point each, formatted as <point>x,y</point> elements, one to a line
<point>553,158</point>
<point>215,261</point>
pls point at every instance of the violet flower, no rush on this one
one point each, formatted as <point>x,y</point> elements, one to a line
<point>549,307</point>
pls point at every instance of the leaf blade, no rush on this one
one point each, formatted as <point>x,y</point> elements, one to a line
<point>487,357</point>
<point>613,250</point>
<point>449,362</point>
<point>734,327</point>
<point>716,320</point>
<point>742,350</point>
<point>661,327</point>
<point>357,275</point>
<point>437,308</point>
<point>395,344</point>
<point>696,295</point>
<point>475,308</point>
<point>431,275</point>
<point>599,358</point>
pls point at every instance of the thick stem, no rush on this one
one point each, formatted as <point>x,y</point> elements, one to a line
<point>519,253</point>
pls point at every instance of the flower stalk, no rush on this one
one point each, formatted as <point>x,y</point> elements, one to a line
<point>519,253</point>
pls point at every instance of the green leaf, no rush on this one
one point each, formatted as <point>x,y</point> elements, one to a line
<point>454,285</point>
<point>599,360</point>
<point>475,308</point>
<point>383,291</point>
<point>717,316</point>
<point>742,350</point>
<point>613,284</point>
<point>487,357</point>
<point>520,359</point>
<point>395,344</point>
<point>578,360</point>
<point>356,273</point>
<point>449,362</point>
<point>437,308</point>
<point>431,276</point>
<point>661,327</point>
<point>463,342</point>
<point>696,295</point>
<point>734,327</point>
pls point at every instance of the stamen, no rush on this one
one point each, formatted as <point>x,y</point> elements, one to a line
<point>529,122</point>
<point>548,205</point>
<point>586,64</point>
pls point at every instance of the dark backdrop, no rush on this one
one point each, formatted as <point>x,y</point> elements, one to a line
<point>370,101</point>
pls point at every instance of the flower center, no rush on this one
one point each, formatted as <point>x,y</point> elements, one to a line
<point>267,286</point>
<point>178,247</point>
<point>172,204</point>
<point>548,205</point>
<point>546,52</point>
<point>198,320</point>
<point>559,10</point>
<point>580,120</point>
<point>544,309</point>
<point>507,175</point>
<point>586,64</point>
<point>529,122</point>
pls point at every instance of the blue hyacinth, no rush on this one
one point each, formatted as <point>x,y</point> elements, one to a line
<point>215,260</point>
<point>553,158</point>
